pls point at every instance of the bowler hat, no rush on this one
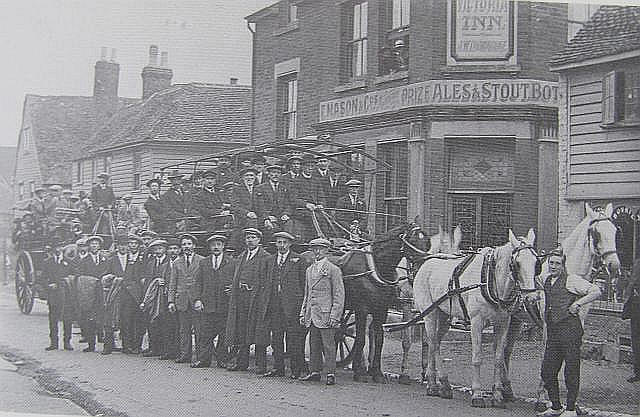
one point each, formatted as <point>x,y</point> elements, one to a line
<point>320,242</point>
<point>284,235</point>
<point>252,231</point>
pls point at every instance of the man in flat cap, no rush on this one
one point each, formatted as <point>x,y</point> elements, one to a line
<point>213,280</point>
<point>322,310</point>
<point>154,207</point>
<point>102,194</point>
<point>128,214</point>
<point>209,203</point>
<point>247,277</point>
<point>273,202</point>
<point>183,293</point>
<point>175,203</point>
<point>157,272</point>
<point>277,308</point>
<point>131,319</point>
<point>351,210</point>
<point>90,271</point>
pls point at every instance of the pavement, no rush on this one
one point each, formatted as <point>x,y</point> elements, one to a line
<point>122,385</point>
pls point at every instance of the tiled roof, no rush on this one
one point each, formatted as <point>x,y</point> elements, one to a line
<point>183,112</point>
<point>611,30</point>
<point>62,127</point>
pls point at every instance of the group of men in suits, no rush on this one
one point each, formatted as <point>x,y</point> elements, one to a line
<point>167,289</point>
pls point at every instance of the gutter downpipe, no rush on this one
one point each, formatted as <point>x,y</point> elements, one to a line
<point>253,82</point>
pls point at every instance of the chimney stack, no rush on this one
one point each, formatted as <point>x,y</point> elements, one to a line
<point>106,78</point>
<point>156,78</point>
<point>233,81</point>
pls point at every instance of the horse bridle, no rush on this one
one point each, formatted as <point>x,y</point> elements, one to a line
<point>594,236</point>
<point>515,268</point>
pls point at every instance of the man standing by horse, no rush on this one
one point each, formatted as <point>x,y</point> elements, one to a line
<point>248,275</point>
<point>277,307</point>
<point>565,295</point>
<point>322,309</point>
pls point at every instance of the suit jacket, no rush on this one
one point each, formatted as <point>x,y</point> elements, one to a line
<point>270,203</point>
<point>331,186</point>
<point>153,271</point>
<point>323,294</point>
<point>57,290</point>
<point>211,284</point>
<point>251,273</point>
<point>242,203</point>
<point>156,211</point>
<point>345,218</point>
<point>174,204</point>
<point>88,266</point>
<point>208,204</point>
<point>306,190</point>
<point>134,276</point>
<point>102,197</point>
<point>287,282</point>
<point>183,291</point>
<point>38,208</point>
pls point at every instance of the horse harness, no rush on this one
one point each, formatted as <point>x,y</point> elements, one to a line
<point>454,285</point>
<point>594,236</point>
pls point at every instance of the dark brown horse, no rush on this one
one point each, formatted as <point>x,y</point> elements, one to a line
<point>370,287</point>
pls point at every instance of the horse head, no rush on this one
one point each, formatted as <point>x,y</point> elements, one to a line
<point>445,242</point>
<point>602,236</point>
<point>525,264</point>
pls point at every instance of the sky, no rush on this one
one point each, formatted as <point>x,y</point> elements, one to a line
<point>49,47</point>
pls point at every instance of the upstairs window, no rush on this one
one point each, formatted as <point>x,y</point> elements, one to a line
<point>292,13</point>
<point>394,55</point>
<point>288,106</point>
<point>621,98</point>
<point>357,41</point>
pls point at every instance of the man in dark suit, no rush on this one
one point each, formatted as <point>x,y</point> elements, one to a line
<point>208,203</point>
<point>353,217</point>
<point>632,297</point>
<point>114,269</point>
<point>102,195</point>
<point>243,205</point>
<point>154,207</point>
<point>90,272</point>
<point>307,195</point>
<point>273,202</point>
<point>175,203</point>
<point>55,269</point>
<point>328,180</point>
<point>278,304</point>
<point>248,274</point>
<point>131,319</point>
<point>183,293</point>
<point>157,267</point>
<point>214,276</point>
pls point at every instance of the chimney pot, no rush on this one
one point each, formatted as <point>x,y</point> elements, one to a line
<point>153,55</point>
<point>164,59</point>
<point>233,81</point>
<point>103,53</point>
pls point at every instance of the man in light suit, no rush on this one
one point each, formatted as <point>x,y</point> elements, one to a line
<point>322,309</point>
<point>183,293</point>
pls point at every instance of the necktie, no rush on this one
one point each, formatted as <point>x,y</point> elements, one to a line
<point>95,259</point>
<point>188,258</point>
<point>217,262</point>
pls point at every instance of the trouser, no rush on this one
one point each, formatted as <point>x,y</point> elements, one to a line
<point>186,321</point>
<point>108,341</point>
<point>635,341</point>
<point>55,315</point>
<point>282,329</point>
<point>170,335</point>
<point>322,343</point>
<point>563,345</point>
<point>131,323</point>
<point>210,325</point>
<point>89,328</point>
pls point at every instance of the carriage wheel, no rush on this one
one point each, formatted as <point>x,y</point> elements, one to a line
<point>24,283</point>
<point>345,338</point>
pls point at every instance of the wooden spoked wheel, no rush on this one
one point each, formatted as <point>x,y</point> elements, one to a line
<point>345,338</point>
<point>24,280</point>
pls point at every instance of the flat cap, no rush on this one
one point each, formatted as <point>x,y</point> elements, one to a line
<point>55,187</point>
<point>103,175</point>
<point>149,233</point>
<point>127,196</point>
<point>320,242</point>
<point>175,174</point>
<point>217,236</point>
<point>158,242</point>
<point>285,235</point>
<point>353,183</point>
<point>247,170</point>
<point>132,236</point>
<point>39,189</point>
<point>67,191</point>
<point>252,231</point>
<point>95,237</point>
<point>274,166</point>
<point>210,173</point>
<point>188,236</point>
<point>81,242</point>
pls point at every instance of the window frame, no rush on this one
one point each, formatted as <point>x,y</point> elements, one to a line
<point>402,5</point>
<point>397,178</point>
<point>620,99</point>
<point>287,106</point>
<point>292,13</point>
<point>359,38</point>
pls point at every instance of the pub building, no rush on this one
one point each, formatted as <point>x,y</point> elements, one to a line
<point>454,94</point>
<point>599,130</point>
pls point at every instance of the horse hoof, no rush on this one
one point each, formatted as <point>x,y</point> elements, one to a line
<point>404,379</point>
<point>540,406</point>
<point>379,379</point>
<point>478,402</point>
<point>361,378</point>
<point>433,391</point>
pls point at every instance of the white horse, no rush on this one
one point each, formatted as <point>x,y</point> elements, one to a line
<point>433,280</point>
<point>594,236</point>
<point>442,242</point>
